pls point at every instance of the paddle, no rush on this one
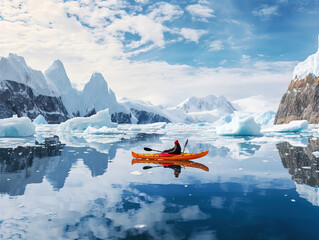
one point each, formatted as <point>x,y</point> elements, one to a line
<point>150,149</point>
<point>185,145</point>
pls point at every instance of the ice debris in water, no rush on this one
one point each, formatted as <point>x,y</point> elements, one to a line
<point>16,127</point>
<point>293,126</point>
<point>240,126</point>
<point>140,226</point>
<point>137,173</point>
<point>40,120</point>
<point>100,119</point>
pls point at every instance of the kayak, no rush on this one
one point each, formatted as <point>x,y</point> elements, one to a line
<point>184,156</point>
<point>183,163</point>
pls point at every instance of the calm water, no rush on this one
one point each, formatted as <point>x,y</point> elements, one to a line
<point>251,191</point>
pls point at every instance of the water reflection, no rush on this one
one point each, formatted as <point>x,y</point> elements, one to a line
<point>303,167</point>
<point>176,166</point>
<point>21,166</point>
<point>301,163</point>
<point>49,158</point>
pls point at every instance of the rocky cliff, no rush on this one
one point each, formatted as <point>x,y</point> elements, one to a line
<point>301,101</point>
<point>26,92</point>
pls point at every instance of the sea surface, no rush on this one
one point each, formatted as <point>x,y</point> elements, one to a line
<point>87,186</point>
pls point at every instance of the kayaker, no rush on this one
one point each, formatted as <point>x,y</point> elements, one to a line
<point>177,169</point>
<point>175,150</point>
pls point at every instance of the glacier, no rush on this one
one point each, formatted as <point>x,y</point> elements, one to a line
<point>309,66</point>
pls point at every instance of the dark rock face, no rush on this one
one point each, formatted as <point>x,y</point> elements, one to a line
<point>300,102</point>
<point>121,117</point>
<point>19,99</point>
<point>302,165</point>
<point>144,117</point>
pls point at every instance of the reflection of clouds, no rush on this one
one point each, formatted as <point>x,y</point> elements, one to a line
<point>192,213</point>
<point>217,202</point>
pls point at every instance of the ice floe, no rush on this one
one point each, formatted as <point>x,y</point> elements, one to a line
<point>16,127</point>
<point>293,126</point>
<point>99,120</point>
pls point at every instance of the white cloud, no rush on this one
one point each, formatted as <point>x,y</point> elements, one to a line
<point>216,45</point>
<point>41,31</point>
<point>266,11</point>
<point>192,34</point>
<point>200,12</point>
<point>163,11</point>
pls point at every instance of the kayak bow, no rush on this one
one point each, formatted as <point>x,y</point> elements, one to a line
<point>184,156</point>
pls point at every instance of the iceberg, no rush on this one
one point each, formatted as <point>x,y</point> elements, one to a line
<point>266,118</point>
<point>240,126</point>
<point>16,127</point>
<point>40,120</point>
<point>293,126</point>
<point>99,120</point>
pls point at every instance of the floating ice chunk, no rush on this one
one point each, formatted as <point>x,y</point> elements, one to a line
<point>240,126</point>
<point>316,154</point>
<point>100,119</point>
<point>293,126</point>
<point>16,127</point>
<point>40,120</point>
<point>136,173</point>
<point>140,226</point>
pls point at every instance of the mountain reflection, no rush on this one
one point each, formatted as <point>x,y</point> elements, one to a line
<point>301,163</point>
<point>21,166</point>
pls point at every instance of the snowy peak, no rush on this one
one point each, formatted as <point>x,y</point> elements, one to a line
<point>56,73</point>
<point>309,66</point>
<point>97,82</point>
<point>14,68</point>
<point>209,103</point>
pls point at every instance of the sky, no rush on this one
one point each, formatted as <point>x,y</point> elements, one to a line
<point>166,51</point>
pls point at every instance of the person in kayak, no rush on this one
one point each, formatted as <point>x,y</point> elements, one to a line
<point>175,150</point>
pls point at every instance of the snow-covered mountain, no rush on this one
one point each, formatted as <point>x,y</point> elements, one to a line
<point>95,96</point>
<point>309,66</point>
<point>146,112</point>
<point>206,109</point>
<point>26,92</point>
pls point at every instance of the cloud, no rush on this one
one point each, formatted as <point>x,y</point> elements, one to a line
<point>200,12</point>
<point>216,45</point>
<point>266,11</point>
<point>191,34</point>
<point>163,11</point>
<point>90,36</point>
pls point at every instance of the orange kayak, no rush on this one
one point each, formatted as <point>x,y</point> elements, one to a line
<point>183,163</point>
<point>184,156</point>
